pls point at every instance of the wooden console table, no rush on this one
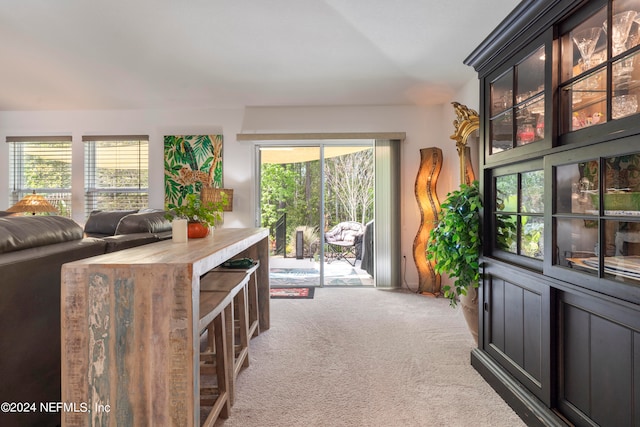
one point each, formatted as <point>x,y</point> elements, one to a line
<point>130,343</point>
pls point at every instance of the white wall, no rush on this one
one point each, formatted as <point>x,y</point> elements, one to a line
<point>424,126</point>
<point>155,123</point>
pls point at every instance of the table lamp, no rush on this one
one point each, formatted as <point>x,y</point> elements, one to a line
<point>33,203</point>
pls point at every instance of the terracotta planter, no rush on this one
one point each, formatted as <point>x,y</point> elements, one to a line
<point>196,230</point>
<point>469,305</point>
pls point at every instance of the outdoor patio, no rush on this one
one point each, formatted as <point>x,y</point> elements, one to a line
<point>306,272</point>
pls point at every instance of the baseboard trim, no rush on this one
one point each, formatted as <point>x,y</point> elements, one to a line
<point>530,409</point>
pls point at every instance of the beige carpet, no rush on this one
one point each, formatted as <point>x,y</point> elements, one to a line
<point>364,357</point>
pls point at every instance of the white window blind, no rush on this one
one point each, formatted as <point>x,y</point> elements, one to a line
<point>116,172</point>
<point>43,165</point>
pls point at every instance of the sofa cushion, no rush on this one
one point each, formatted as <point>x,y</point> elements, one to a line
<point>104,223</point>
<point>143,222</point>
<point>24,232</point>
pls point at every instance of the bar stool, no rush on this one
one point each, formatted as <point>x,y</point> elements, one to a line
<point>235,285</point>
<point>215,308</point>
<point>252,295</point>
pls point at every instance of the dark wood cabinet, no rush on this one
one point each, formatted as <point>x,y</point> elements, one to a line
<point>516,314</point>
<point>598,370</point>
<point>559,331</point>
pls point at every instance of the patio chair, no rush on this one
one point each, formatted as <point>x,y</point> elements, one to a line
<point>344,241</point>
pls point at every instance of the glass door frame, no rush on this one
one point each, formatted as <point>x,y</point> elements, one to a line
<point>321,145</point>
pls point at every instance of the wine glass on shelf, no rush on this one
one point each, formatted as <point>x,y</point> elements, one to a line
<point>586,41</point>
<point>621,25</point>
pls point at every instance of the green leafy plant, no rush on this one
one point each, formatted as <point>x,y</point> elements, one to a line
<point>454,244</point>
<point>195,210</point>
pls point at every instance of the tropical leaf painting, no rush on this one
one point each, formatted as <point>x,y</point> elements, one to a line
<point>190,161</point>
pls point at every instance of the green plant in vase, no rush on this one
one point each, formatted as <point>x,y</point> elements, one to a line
<point>455,243</point>
<point>194,210</point>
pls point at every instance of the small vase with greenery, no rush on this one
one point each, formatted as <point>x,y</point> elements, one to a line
<point>195,210</point>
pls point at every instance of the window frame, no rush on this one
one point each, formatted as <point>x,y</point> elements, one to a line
<point>59,196</point>
<point>92,188</point>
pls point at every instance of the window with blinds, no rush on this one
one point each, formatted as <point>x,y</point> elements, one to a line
<point>116,172</point>
<point>41,165</point>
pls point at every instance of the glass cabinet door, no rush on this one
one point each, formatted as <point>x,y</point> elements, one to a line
<point>519,213</point>
<point>518,94</point>
<point>501,123</point>
<point>597,217</point>
<point>600,67</point>
<point>576,220</point>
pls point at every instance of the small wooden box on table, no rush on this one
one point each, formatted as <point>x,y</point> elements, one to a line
<point>131,326</point>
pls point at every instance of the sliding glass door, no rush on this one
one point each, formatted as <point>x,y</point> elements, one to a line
<point>317,200</point>
<point>348,214</point>
<point>291,207</point>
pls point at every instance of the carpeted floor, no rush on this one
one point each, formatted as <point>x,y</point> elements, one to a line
<point>364,357</point>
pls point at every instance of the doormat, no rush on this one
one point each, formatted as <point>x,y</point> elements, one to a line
<point>303,292</point>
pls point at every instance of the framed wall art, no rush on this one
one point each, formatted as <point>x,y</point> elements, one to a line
<point>191,162</point>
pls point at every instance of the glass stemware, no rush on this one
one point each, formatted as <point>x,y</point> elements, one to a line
<point>621,25</point>
<point>586,41</point>
<point>623,105</point>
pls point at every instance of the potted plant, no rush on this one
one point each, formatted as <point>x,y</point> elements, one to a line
<point>200,215</point>
<point>454,246</point>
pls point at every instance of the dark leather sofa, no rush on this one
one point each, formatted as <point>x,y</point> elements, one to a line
<point>127,229</point>
<point>32,251</point>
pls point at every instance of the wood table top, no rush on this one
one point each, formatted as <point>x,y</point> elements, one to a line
<point>204,253</point>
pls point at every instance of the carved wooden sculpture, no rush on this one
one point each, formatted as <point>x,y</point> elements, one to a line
<point>425,190</point>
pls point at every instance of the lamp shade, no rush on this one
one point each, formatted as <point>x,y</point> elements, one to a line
<point>33,203</point>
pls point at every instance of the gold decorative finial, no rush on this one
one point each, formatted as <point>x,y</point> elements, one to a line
<point>467,121</point>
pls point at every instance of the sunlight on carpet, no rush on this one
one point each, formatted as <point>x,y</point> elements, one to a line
<point>311,277</point>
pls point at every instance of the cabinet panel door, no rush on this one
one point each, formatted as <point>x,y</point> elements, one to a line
<point>597,373</point>
<point>514,322</point>
<point>636,376</point>
<point>576,356</point>
<point>532,334</point>
<point>516,327</point>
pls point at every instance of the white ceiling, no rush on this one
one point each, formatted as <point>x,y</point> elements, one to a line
<point>133,54</point>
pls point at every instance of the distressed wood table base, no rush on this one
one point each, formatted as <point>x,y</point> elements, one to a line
<point>130,333</point>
